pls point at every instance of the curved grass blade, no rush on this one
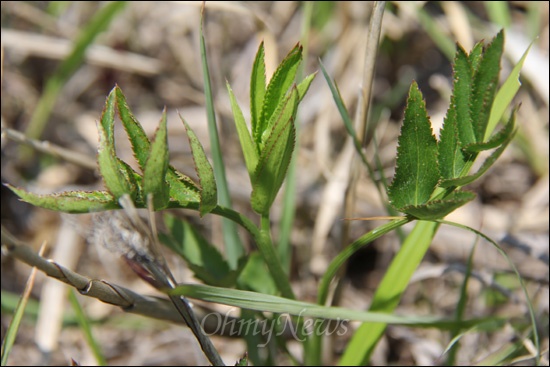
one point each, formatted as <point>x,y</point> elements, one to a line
<point>11,332</point>
<point>388,293</point>
<point>416,172</point>
<point>518,275</point>
<point>156,166</point>
<point>87,329</point>
<point>270,303</point>
<point>70,201</point>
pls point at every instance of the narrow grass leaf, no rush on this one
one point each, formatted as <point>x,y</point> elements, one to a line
<point>156,166</point>
<point>257,88</point>
<point>270,303</point>
<point>205,172</point>
<point>388,293</point>
<point>247,144</point>
<point>532,317</point>
<point>70,201</point>
<point>460,310</point>
<point>11,332</point>
<point>203,258</point>
<point>234,248</point>
<point>485,84</point>
<point>505,94</point>
<point>87,329</point>
<point>336,96</point>
<point>437,209</point>
<point>416,173</point>
<point>278,86</point>
<point>275,156</point>
<point>348,123</point>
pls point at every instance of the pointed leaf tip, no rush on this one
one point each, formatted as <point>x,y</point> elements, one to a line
<point>416,173</point>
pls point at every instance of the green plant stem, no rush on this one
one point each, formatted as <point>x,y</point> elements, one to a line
<point>264,243</point>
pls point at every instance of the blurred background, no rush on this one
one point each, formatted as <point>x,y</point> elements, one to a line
<point>151,50</point>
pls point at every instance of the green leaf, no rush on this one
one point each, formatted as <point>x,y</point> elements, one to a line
<point>452,159</point>
<point>276,90</point>
<point>275,156</point>
<point>242,361</point>
<point>70,201</point>
<point>475,56</point>
<point>209,192</point>
<point>256,277</point>
<point>134,178</point>
<point>156,166</point>
<point>460,100</point>
<point>461,181</point>
<point>416,173</point>
<point>269,303</point>
<point>202,257</point>
<point>182,188</point>
<point>438,209</point>
<point>109,167</point>
<point>257,88</point>
<point>247,144</point>
<point>496,140</point>
<point>485,84</point>
<point>505,94</point>
<point>140,143</point>
<point>303,86</point>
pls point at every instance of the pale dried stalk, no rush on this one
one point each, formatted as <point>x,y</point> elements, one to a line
<point>127,300</point>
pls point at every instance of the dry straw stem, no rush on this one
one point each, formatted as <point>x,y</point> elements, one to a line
<point>102,290</point>
<point>116,295</point>
<point>52,149</point>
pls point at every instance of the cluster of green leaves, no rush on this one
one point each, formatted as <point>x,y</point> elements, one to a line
<point>429,172</point>
<point>167,186</point>
<point>268,147</point>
